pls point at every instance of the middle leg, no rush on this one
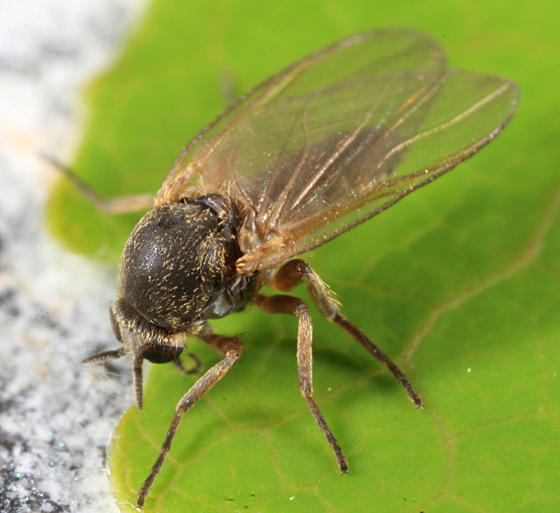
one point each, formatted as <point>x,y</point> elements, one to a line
<point>295,306</point>
<point>292,273</point>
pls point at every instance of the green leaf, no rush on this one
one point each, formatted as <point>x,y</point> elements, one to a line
<point>460,283</point>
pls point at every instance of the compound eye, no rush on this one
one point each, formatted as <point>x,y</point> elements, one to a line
<point>159,353</point>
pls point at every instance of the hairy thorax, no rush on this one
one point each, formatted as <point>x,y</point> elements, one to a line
<point>178,265</point>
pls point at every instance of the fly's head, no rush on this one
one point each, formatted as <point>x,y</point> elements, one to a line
<point>141,338</point>
<point>175,264</point>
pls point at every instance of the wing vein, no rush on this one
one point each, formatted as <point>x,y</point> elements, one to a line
<point>444,126</point>
<point>342,145</point>
<point>281,202</point>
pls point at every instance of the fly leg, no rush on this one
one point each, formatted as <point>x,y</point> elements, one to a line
<point>193,370</point>
<point>116,205</point>
<point>230,348</point>
<point>294,272</point>
<point>295,306</point>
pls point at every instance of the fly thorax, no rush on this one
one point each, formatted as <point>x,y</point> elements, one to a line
<point>177,260</point>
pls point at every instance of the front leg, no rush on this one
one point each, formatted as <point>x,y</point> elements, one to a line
<point>295,306</point>
<point>193,370</point>
<point>230,348</point>
<point>294,272</point>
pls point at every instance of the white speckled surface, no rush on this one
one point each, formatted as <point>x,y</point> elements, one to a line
<point>56,417</point>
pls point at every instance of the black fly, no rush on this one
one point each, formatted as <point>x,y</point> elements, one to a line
<point>315,150</point>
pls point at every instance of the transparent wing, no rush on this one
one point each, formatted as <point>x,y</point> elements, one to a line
<point>338,137</point>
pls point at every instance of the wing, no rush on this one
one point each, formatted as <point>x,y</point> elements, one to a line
<point>337,138</point>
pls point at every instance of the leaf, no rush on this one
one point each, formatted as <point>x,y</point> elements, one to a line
<point>459,283</point>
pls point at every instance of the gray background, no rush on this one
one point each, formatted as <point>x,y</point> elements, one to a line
<point>56,417</point>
